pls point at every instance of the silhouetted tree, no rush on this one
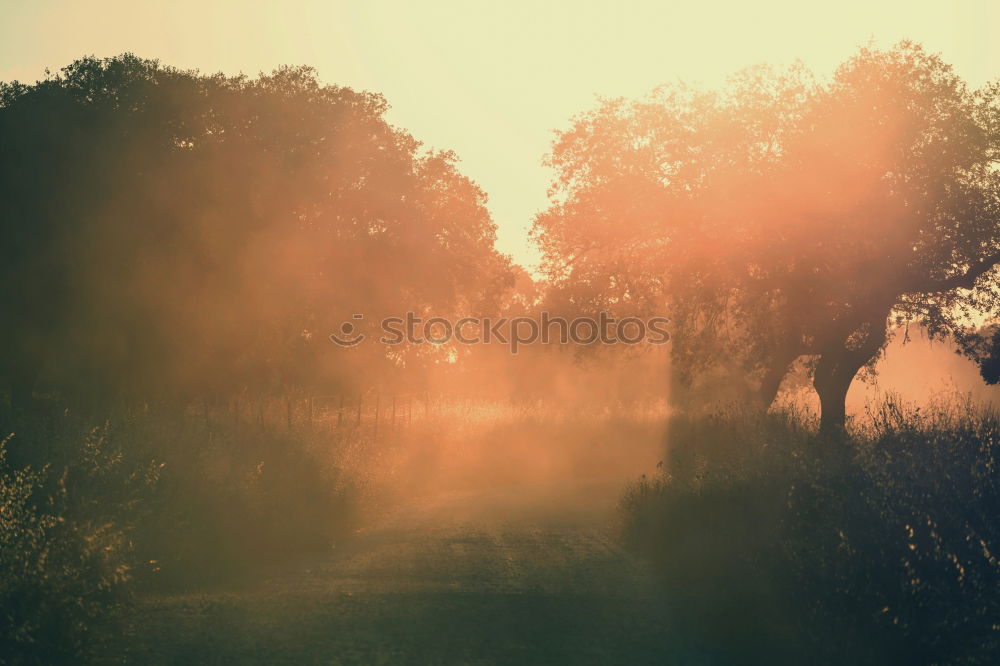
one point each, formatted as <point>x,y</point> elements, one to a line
<point>167,234</point>
<point>783,218</point>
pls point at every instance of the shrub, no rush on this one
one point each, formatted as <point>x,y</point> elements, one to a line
<point>65,553</point>
<point>785,547</point>
<point>89,516</point>
<point>235,497</point>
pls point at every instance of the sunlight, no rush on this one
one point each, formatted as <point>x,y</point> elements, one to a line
<point>516,333</point>
<point>492,80</point>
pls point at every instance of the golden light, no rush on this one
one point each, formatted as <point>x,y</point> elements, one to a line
<point>492,79</point>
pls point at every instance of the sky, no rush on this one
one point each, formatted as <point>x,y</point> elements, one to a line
<point>492,80</point>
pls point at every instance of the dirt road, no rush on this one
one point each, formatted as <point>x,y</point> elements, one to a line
<point>466,578</point>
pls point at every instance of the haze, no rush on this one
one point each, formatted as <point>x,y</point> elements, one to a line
<point>499,333</point>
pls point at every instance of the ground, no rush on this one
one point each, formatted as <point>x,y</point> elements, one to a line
<point>498,576</point>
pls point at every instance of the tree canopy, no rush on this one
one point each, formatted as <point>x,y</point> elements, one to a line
<point>785,217</point>
<point>166,233</point>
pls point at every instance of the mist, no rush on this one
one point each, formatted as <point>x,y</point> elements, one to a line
<point>270,392</point>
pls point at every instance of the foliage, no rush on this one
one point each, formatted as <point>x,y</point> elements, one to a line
<point>170,235</point>
<point>65,549</point>
<point>236,497</point>
<point>783,549</point>
<point>154,500</point>
<point>784,217</point>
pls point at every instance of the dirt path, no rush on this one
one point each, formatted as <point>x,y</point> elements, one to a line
<point>474,578</point>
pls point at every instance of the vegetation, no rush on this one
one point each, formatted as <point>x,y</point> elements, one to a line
<point>785,218</point>
<point>177,248</point>
<point>208,233</point>
<point>785,547</point>
<point>65,548</point>
<point>156,502</point>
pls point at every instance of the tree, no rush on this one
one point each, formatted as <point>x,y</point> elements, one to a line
<point>168,234</point>
<point>785,218</point>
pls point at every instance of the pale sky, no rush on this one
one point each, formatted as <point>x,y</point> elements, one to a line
<point>491,80</point>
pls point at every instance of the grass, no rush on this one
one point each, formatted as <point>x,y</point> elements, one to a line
<point>776,546</point>
<point>90,515</point>
<point>785,547</point>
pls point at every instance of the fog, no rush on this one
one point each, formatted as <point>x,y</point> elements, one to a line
<point>774,308</point>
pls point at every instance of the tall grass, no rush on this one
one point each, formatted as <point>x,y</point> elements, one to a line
<point>784,547</point>
<point>89,516</point>
<point>233,497</point>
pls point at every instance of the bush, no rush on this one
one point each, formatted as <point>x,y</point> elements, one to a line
<point>65,553</point>
<point>152,499</point>
<point>235,497</point>
<point>786,547</point>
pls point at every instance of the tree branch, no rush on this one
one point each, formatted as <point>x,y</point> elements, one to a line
<point>965,280</point>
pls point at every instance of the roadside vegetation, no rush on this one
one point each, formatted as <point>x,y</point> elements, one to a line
<point>784,546</point>
<point>91,517</point>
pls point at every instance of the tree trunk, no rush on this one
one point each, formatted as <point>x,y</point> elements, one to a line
<point>767,392</point>
<point>832,381</point>
<point>837,368</point>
